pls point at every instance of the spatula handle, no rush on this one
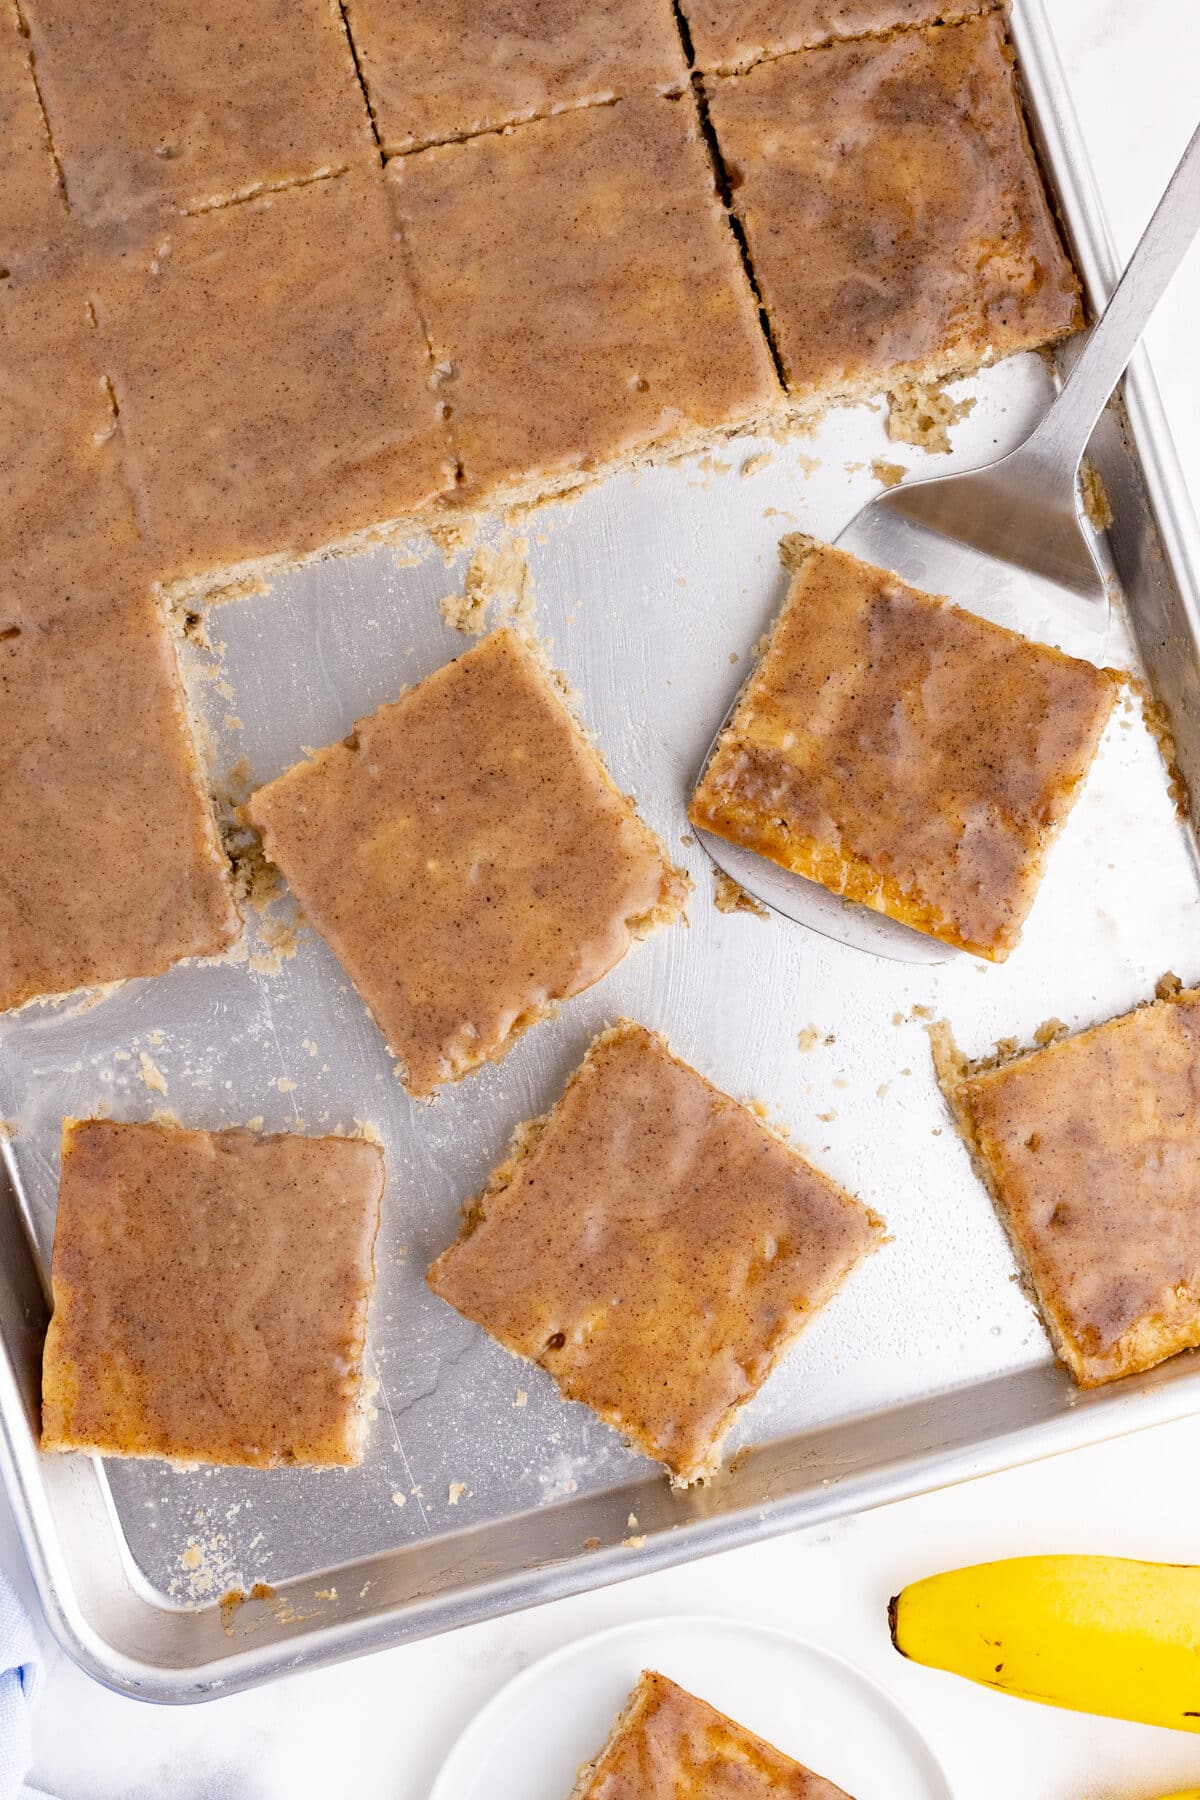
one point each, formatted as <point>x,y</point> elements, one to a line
<point>1067,427</point>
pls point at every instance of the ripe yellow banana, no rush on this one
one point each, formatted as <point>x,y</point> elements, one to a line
<point>1098,1634</point>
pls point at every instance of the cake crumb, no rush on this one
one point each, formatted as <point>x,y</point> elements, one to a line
<point>151,1075</point>
<point>228,1605</point>
<point>399,1499</point>
<point>455,1492</point>
<point>808,1039</point>
<point>1167,986</point>
<point>452,537</point>
<point>278,931</point>
<point>921,413</point>
<point>730,897</point>
<point>794,547</point>
<point>465,612</point>
<point>889,473</point>
<point>1050,1031</point>
<point>1154,717</point>
<point>240,780</point>
<point>806,463</point>
<point>633,1543</point>
<point>329,1593</point>
<point>497,577</point>
<point>1096,503</point>
<point>708,464</point>
<point>207,1566</point>
<point>760,460</point>
<point>522,1398</point>
<point>631,1522</point>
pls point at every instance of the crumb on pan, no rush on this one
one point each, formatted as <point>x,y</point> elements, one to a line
<point>1096,503</point>
<point>921,413</point>
<point>730,897</point>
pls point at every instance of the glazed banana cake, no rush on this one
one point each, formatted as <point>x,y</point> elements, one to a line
<point>668,1744</point>
<point>893,209</point>
<point>627,323</point>
<point>905,754</point>
<point>655,1248</point>
<point>468,859</point>
<point>1091,1150</point>
<point>210,1295</point>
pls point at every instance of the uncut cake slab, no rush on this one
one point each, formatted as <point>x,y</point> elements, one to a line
<point>480,1487</point>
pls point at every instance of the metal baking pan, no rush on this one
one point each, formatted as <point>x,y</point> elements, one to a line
<point>930,1367</point>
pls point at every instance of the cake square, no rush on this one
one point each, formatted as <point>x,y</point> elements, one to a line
<point>273,381</point>
<point>728,35</point>
<point>65,511</point>
<point>110,865</point>
<point>655,1248</point>
<point>441,69</point>
<point>627,321</point>
<point>905,754</point>
<point>210,1295</point>
<point>1091,1150</point>
<point>161,103</point>
<point>467,858</point>
<point>668,1744</point>
<point>893,208</point>
<point>32,211</point>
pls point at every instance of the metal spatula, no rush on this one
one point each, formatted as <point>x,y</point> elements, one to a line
<point>1008,541</point>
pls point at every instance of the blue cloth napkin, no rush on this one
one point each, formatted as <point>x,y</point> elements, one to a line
<point>20,1677</point>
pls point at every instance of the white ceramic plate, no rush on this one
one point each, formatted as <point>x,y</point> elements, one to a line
<point>528,1742</point>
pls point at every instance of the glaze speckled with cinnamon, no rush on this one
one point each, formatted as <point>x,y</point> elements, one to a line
<point>730,34</point>
<point>626,317</point>
<point>467,859</point>
<point>893,208</point>
<point>655,1248</point>
<point>905,754</point>
<point>272,377</point>
<point>166,103</point>
<point>671,1745</point>
<point>210,1295</point>
<point>31,201</point>
<point>438,69</point>
<point>110,865</point>
<point>1092,1147</point>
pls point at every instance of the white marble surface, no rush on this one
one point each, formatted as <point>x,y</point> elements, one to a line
<point>381,1726</point>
